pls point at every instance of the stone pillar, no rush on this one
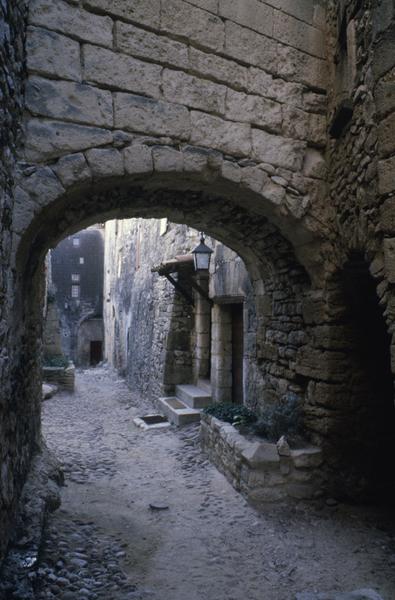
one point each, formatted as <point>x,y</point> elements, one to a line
<point>221,354</point>
<point>202,330</point>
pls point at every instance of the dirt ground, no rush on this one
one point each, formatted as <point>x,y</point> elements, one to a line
<point>200,540</point>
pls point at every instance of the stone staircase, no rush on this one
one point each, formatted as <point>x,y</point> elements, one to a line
<point>185,407</point>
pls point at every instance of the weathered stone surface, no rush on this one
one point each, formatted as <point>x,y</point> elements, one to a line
<point>294,32</point>
<point>137,113</point>
<point>49,53</point>
<point>180,18</point>
<point>43,186</point>
<point>308,457</point>
<point>70,101</point>
<point>264,84</point>
<point>231,138</point>
<point>105,162</point>
<point>253,109</point>
<point>386,132</point>
<point>253,47</point>
<point>145,44</point>
<point>278,151</point>
<point>222,69</point>
<point>301,67</point>
<point>386,172</point>
<point>121,71</point>
<point>138,159</point>
<point>261,454</point>
<point>194,92</point>
<point>146,12</point>
<point>362,594</point>
<point>50,139</point>
<point>250,13</point>
<point>167,159</point>
<point>303,9</point>
<point>71,20</point>
<point>389,258</point>
<point>72,169</point>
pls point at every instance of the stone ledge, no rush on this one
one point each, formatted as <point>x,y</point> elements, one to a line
<point>257,469</point>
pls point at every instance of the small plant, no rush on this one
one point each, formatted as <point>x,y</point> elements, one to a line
<point>283,418</point>
<point>237,414</point>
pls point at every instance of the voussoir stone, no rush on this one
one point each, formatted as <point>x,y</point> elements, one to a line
<point>138,159</point>
<point>167,159</point>
<point>193,91</point>
<point>278,151</point>
<point>69,101</point>
<point>253,109</point>
<point>72,169</point>
<point>71,20</point>
<point>43,186</point>
<point>51,139</point>
<point>105,162</point>
<point>50,53</point>
<point>141,114</point>
<point>124,72</point>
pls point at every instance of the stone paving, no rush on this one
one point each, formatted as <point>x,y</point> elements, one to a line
<point>146,516</point>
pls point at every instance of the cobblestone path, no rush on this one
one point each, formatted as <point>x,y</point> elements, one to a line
<point>106,542</point>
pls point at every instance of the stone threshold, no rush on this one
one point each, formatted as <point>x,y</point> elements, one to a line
<point>260,470</point>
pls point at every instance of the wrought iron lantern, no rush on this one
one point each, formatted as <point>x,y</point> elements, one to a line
<point>202,255</point>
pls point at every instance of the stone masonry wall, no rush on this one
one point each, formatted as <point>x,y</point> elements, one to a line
<point>18,425</point>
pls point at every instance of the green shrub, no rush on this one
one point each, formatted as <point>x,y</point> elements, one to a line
<point>237,414</point>
<point>283,418</point>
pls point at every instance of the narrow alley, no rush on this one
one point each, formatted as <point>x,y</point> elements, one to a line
<point>144,515</point>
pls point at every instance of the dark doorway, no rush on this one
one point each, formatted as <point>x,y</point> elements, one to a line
<point>373,432</point>
<point>96,352</point>
<point>237,353</point>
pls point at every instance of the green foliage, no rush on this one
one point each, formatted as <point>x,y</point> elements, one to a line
<point>237,414</point>
<point>283,418</point>
<point>55,361</point>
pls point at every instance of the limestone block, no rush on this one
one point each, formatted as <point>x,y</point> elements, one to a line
<point>167,159</point>
<point>194,92</point>
<point>307,458</point>
<point>195,159</point>
<point>71,20</point>
<point>23,211</point>
<point>261,454</point>
<point>214,132</point>
<point>49,53</point>
<point>253,178</point>
<point>253,109</point>
<point>252,47</point>
<point>386,170</point>
<point>72,169</point>
<point>231,171</point>
<point>302,9</point>
<point>137,113</point>
<point>146,12</point>
<point>138,159</point>
<point>262,83</point>
<point>293,32</point>
<point>50,139</point>
<point>146,44</point>
<point>42,186</point>
<point>387,216</point>
<point>210,5</point>
<point>105,162</point>
<point>389,258</point>
<point>69,101</point>
<point>362,594</point>
<point>250,13</point>
<point>118,70</point>
<point>276,150</point>
<point>314,164</point>
<point>180,18</point>
<point>301,67</point>
<point>386,135</point>
<point>222,69</point>
<point>385,97</point>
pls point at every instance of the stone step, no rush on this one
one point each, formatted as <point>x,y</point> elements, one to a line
<point>177,412</point>
<point>205,385</point>
<point>193,396</point>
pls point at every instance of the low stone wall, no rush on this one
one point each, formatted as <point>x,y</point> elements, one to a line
<point>64,378</point>
<point>262,471</point>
